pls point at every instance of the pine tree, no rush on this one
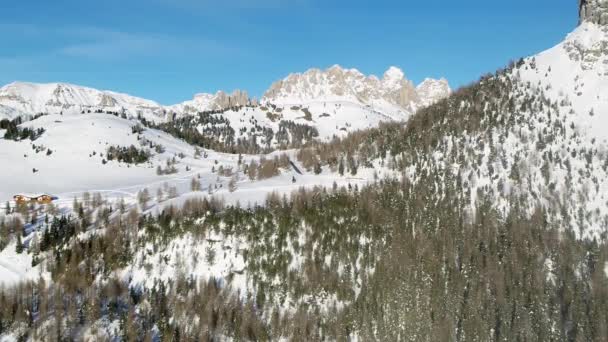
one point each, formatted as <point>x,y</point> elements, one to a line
<point>352,165</point>
<point>317,168</point>
<point>122,206</point>
<point>143,197</point>
<point>195,184</point>
<point>75,204</point>
<point>232,184</point>
<point>19,247</point>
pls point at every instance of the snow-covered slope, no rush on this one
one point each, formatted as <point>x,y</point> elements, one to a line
<point>77,145</point>
<point>339,100</point>
<point>328,119</point>
<point>27,99</point>
<point>576,72</point>
<point>70,167</point>
<point>534,133</point>
<point>339,84</point>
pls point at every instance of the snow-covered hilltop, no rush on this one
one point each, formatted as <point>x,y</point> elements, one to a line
<point>339,84</point>
<point>575,72</point>
<point>28,99</point>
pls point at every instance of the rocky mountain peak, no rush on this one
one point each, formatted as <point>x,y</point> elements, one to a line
<point>394,74</point>
<point>432,90</point>
<point>594,11</point>
<point>340,84</point>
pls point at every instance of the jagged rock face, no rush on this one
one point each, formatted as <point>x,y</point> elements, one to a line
<point>107,101</point>
<point>431,90</point>
<point>588,44</point>
<point>338,84</point>
<point>238,98</point>
<point>218,101</point>
<point>595,11</point>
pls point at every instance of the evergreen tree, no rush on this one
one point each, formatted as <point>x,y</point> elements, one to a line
<point>19,246</point>
<point>143,197</point>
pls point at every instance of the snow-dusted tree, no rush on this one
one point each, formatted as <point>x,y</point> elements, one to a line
<point>122,206</point>
<point>75,204</point>
<point>252,170</point>
<point>143,197</point>
<point>232,184</point>
<point>195,184</point>
<point>210,255</point>
<point>172,192</point>
<point>86,199</point>
<point>159,194</point>
<point>97,200</point>
<point>19,246</point>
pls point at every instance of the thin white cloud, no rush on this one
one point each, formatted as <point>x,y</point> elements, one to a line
<point>233,4</point>
<point>120,45</point>
<point>106,44</point>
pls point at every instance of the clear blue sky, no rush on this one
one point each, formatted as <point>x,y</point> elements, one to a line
<point>167,50</point>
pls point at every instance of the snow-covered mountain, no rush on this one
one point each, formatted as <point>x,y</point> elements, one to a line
<point>432,90</point>
<point>529,140</point>
<point>576,72</point>
<point>339,84</point>
<point>533,134</point>
<point>26,99</point>
<point>392,95</point>
<point>324,104</point>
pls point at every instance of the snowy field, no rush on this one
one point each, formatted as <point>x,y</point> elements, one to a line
<point>75,167</point>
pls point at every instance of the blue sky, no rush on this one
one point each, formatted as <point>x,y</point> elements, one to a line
<point>167,50</point>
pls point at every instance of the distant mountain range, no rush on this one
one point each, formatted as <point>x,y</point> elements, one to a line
<point>392,93</point>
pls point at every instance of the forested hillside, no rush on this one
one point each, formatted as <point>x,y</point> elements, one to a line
<point>483,217</point>
<point>387,262</point>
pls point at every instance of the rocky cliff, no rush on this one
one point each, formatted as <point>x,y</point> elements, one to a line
<point>339,84</point>
<point>595,11</point>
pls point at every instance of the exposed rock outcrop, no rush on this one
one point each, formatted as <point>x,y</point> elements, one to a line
<point>218,101</point>
<point>588,44</point>
<point>238,98</point>
<point>339,84</point>
<point>595,11</point>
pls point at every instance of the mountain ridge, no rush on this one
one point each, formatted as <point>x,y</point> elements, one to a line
<point>393,91</point>
<point>342,84</point>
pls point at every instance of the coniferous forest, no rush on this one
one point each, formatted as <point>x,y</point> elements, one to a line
<point>481,218</point>
<point>408,267</point>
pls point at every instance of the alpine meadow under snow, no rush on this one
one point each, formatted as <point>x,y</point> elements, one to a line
<point>338,207</point>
